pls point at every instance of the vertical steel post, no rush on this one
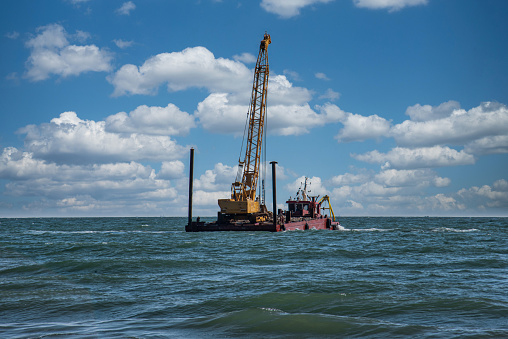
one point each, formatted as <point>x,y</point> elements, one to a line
<point>191,179</point>
<point>274,189</point>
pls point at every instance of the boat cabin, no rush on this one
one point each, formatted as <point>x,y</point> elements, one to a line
<point>304,208</point>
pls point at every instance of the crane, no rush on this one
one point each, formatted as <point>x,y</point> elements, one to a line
<point>243,204</point>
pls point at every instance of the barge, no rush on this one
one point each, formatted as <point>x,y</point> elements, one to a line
<point>303,213</point>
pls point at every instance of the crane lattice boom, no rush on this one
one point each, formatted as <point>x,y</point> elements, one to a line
<point>243,194</point>
<point>247,190</point>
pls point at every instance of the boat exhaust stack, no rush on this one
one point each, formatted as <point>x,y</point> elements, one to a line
<point>274,189</point>
<point>191,179</point>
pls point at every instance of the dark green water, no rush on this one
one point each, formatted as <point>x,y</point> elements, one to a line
<point>147,278</point>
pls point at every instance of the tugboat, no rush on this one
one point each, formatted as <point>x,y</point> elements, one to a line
<point>245,211</point>
<point>304,214</point>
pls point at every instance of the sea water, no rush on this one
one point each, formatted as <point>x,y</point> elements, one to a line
<point>148,278</point>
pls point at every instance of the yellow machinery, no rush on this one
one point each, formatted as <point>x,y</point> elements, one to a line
<point>327,199</point>
<point>243,204</point>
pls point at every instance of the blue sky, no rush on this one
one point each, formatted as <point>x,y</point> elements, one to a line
<point>391,107</point>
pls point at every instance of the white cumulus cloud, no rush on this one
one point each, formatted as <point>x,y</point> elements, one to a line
<point>428,112</point>
<point>288,111</point>
<point>282,92</point>
<point>218,179</point>
<point>294,119</point>
<point>330,95</point>
<point>171,170</point>
<point>203,198</point>
<point>425,157</point>
<point>288,8</point>
<point>321,76</point>
<point>488,145</point>
<point>460,127</point>
<point>216,114</point>
<point>40,177</point>
<point>392,5</point>
<point>123,43</point>
<point>406,178</point>
<point>388,191</point>
<point>115,188</point>
<point>481,130</point>
<point>291,8</point>
<point>358,128</point>
<point>126,8</point>
<point>315,186</point>
<point>349,178</point>
<point>72,140</point>
<point>19,165</point>
<point>495,196</point>
<point>246,58</point>
<point>443,202</point>
<point>192,67</point>
<point>51,53</point>
<point>169,120</point>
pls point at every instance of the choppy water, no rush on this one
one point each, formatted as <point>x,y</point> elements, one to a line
<point>147,278</point>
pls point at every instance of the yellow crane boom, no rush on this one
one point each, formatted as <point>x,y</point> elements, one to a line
<point>327,199</point>
<point>243,193</point>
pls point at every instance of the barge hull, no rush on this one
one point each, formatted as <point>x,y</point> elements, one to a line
<point>313,224</point>
<point>197,226</point>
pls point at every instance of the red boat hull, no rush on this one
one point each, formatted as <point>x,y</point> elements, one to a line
<point>312,224</point>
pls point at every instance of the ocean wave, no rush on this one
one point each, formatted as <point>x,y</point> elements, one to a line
<point>342,314</point>
<point>274,323</point>
<point>372,229</point>
<point>456,230</point>
<point>42,232</point>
